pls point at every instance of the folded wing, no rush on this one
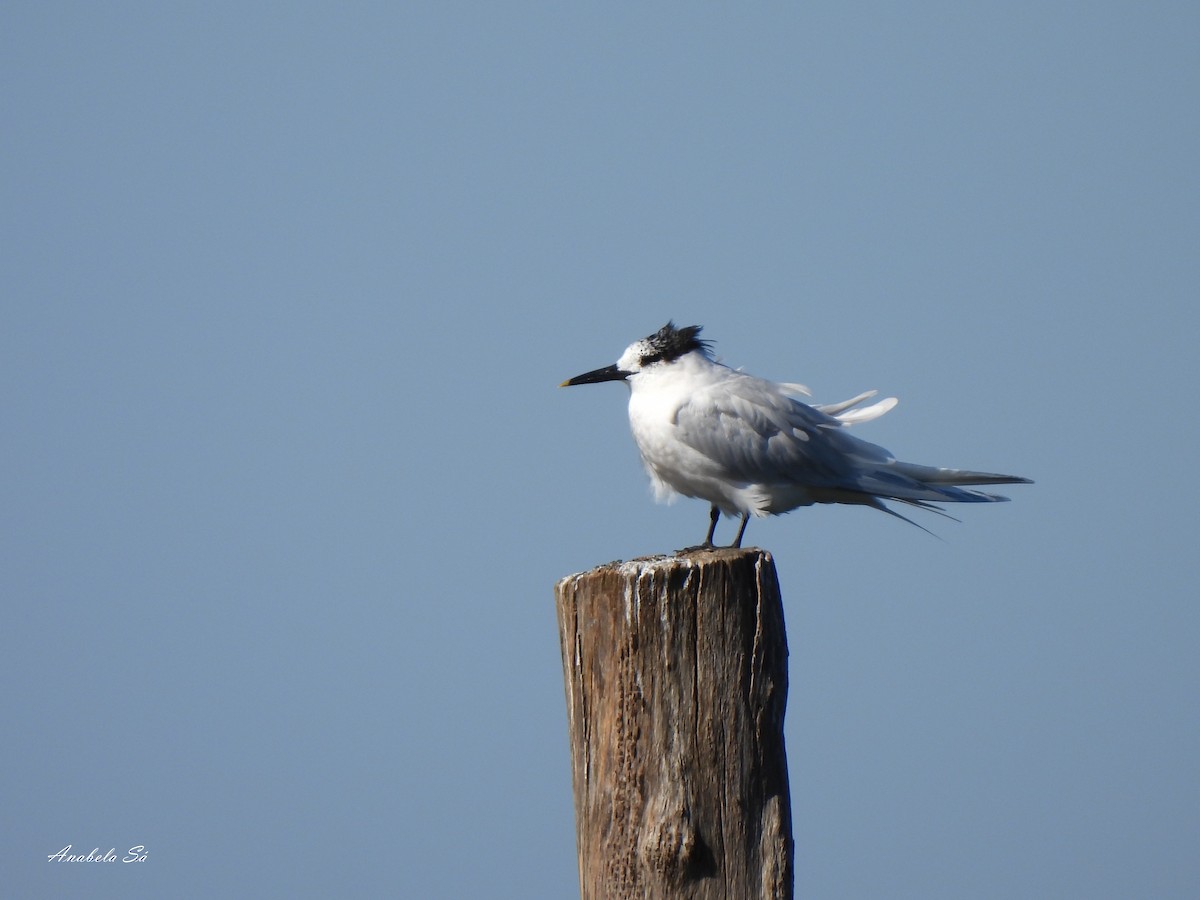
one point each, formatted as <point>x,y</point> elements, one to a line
<point>765,437</point>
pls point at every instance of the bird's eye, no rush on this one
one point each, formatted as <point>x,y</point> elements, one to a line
<point>652,358</point>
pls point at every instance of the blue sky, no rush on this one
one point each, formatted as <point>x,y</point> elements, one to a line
<point>288,480</point>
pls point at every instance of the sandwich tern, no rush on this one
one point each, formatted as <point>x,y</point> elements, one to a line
<point>749,447</point>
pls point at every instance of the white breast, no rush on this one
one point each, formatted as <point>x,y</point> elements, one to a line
<point>675,466</point>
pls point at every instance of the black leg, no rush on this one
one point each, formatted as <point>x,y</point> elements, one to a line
<point>738,540</point>
<point>713,515</point>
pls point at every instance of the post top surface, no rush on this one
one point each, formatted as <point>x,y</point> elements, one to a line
<point>689,558</point>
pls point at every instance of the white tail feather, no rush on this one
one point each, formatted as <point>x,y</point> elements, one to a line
<point>866,414</point>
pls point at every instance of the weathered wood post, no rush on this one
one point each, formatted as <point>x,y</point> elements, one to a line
<point>676,678</point>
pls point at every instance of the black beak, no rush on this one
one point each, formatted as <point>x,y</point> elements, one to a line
<point>608,373</point>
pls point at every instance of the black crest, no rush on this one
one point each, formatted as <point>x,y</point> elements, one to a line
<point>670,343</point>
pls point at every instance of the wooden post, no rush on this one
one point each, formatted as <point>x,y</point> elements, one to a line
<point>676,677</point>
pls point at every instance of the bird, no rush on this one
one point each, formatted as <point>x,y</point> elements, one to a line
<point>750,447</point>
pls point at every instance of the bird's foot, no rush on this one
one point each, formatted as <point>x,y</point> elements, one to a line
<point>707,545</point>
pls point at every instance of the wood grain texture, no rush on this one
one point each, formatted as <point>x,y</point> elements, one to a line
<point>676,681</point>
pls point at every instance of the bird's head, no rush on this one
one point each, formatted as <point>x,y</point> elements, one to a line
<point>664,346</point>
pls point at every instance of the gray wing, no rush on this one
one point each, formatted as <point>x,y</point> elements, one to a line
<point>759,435</point>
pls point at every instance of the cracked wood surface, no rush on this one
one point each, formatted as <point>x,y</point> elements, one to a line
<point>676,682</point>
